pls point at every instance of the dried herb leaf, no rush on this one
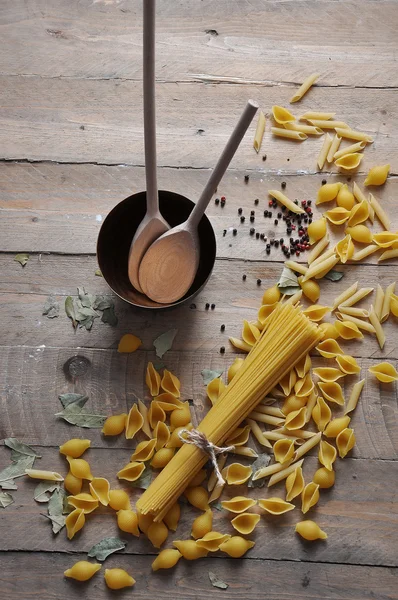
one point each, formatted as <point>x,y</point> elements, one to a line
<point>288,283</point>
<point>105,547</point>
<point>98,273</point>
<point>263,460</point>
<point>159,365</point>
<point>102,302</point>
<point>71,398</point>
<point>334,275</point>
<point>144,481</point>
<point>51,308</point>
<point>20,447</point>
<point>5,499</point>
<point>57,522</point>
<point>56,509</point>
<point>217,506</point>
<point>8,485</point>
<point>86,300</point>
<point>208,375</point>
<point>76,415</point>
<point>17,469</point>
<point>109,316</point>
<point>43,491</point>
<point>70,310</point>
<point>22,258</point>
<point>217,582</point>
<point>164,342</point>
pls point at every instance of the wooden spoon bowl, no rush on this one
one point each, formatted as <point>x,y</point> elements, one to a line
<point>118,229</point>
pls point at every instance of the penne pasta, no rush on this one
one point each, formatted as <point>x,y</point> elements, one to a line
<point>268,419</point>
<point>364,325</point>
<point>319,270</point>
<point>327,142</point>
<point>307,446</point>
<point>258,433</point>
<point>285,201</point>
<point>323,256</point>
<point>364,252</point>
<point>287,133</point>
<point>307,129</point>
<point>354,396</point>
<point>354,312</point>
<point>385,310</point>
<point>350,291</point>
<point>380,212</point>
<point>284,473</point>
<point>358,193</point>
<point>321,116</point>
<point>333,148</point>
<point>381,338</point>
<point>357,147</point>
<point>297,267</point>
<point>387,254</point>
<point>310,405</point>
<point>305,86</point>
<point>294,298</point>
<point>270,410</point>
<point>245,451</point>
<point>258,136</point>
<point>326,124</point>
<point>354,135</point>
<point>299,434</point>
<point>269,470</point>
<point>211,484</point>
<point>277,434</point>
<point>318,249</point>
<point>378,305</point>
<point>359,295</point>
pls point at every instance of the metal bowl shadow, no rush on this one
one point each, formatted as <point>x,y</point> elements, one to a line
<point>117,232</point>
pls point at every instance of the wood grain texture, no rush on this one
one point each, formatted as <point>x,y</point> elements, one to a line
<point>34,377</point>
<point>43,119</point>
<point>251,42</point>
<point>357,510</point>
<point>23,572</point>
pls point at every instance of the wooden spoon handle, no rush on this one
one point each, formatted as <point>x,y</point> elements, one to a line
<point>149,107</point>
<point>223,162</point>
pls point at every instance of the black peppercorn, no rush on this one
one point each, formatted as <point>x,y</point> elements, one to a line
<point>276,222</point>
<point>257,235</point>
<point>207,306</point>
<point>264,157</point>
<point>268,250</point>
<point>262,236</point>
<point>224,233</point>
<point>256,201</point>
<point>222,327</point>
<point>281,241</point>
<point>252,230</point>
<point>246,178</point>
<point>252,213</point>
<point>244,277</point>
<point>266,213</point>
<point>217,201</point>
<point>234,231</point>
<point>258,281</point>
<point>222,349</point>
<point>213,306</point>
<point>240,210</point>
<point>252,219</point>
<point>324,181</point>
<point>242,219</point>
<point>283,184</point>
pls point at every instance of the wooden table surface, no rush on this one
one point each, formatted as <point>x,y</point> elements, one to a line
<point>71,147</point>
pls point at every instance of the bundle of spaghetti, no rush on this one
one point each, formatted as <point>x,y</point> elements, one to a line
<point>287,337</point>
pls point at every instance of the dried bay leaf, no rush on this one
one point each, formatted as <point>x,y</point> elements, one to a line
<point>22,258</point>
<point>102,302</point>
<point>208,375</point>
<point>98,273</point>
<point>109,316</point>
<point>144,481</point>
<point>8,485</point>
<point>71,398</point>
<point>262,461</point>
<point>57,522</point>
<point>76,415</point>
<point>17,469</point>
<point>334,275</point>
<point>288,283</point>
<point>70,310</point>
<point>5,499</point>
<point>164,342</point>
<point>43,491</point>
<point>20,448</point>
<point>51,308</point>
<point>105,547</point>
<point>217,582</point>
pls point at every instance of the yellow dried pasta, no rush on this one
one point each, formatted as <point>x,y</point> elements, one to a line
<point>155,414</point>
<point>324,478</point>
<point>348,330</point>
<point>212,541</point>
<point>132,471</point>
<point>115,424</point>
<point>190,549</point>
<point>316,312</point>
<point>345,198</point>
<point>172,517</point>
<point>336,425</point>
<point>181,416</point>
<point>152,379</point>
<point>384,372</point>
<point>80,468</point>
<point>296,419</point>
<point>345,441</point>
<point>345,249</point>
<point>283,450</point>
<point>294,484</point>
<point>74,521</point>
<point>73,484</point>
<point>198,497</point>
<point>348,364</point>
<point>310,289</point>
<point>83,501</point>
<point>377,175</point>
<point>129,343</point>
<point>349,162</point>
<point>275,506</point>
<point>309,496</point>
<point>170,383</point>
<point>316,230</point>
<point>161,434</point>
<point>245,523</point>
<point>119,500</point>
<point>74,448</point>
<point>157,533</point>
<point>238,504</point>
<point>338,215</point>
<point>359,213</point>
<point>166,559</point>
<point>127,521</point>
<point>117,579</point>
<point>332,391</point>
<point>237,474</point>
<point>202,524</point>
<point>82,570</point>
<point>329,348</point>
<point>360,233</point>
<point>310,531</point>
<point>328,192</point>
<point>321,414</point>
<point>234,368</point>
<point>134,422</point>
<point>214,389</point>
<point>282,115</point>
<point>327,455</point>
<point>143,451</point>
<point>162,457</point>
<point>328,373</point>
<point>250,333</point>
<point>236,546</point>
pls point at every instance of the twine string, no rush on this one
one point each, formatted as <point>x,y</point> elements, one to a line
<point>198,439</point>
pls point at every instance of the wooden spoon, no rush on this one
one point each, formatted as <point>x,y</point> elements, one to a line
<point>153,225</point>
<point>169,266</point>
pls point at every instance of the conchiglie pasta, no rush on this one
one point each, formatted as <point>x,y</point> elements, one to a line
<point>240,344</point>
<point>283,450</point>
<point>271,295</point>
<point>119,500</point>
<point>132,471</point>
<point>117,579</point>
<point>239,437</point>
<point>359,213</point>
<point>157,533</point>
<point>349,162</point>
<point>348,330</point>
<point>336,425</point>
<point>181,416</point>
<point>329,331</point>
<point>127,521</point>
<point>345,442</point>
<point>237,474</point>
<point>327,454</point>
<point>324,478</point>
<point>238,504</point>
<point>245,523</point>
<point>309,530</point>
<point>198,497</point>
<point>167,400</point>
<point>166,559</point>
<point>74,522</point>
<point>264,312</point>
<point>328,192</point>
<point>317,230</point>
<point>212,540</point>
<point>384,372</point>
<point>303,366</point>
<point>175,440</point>
<point>143,451</point>
<point>155,414</point>
<point>348,364</point>
<point>236,546</point>
<point>190,549</point>
<point>99,488</point>
<point>80,468</point>
<point>338,215</point>
<point>82,570</point>
<point>316,312</point>
<point>310,289</point>
<point>345,249</point>
<point>250,333</point>
<point>394,305</point>
<point>309,496</point>
<point>288,381</point>
<point>162,435</point>
<point>75,448</point>
<point>377,175</point>
<point>294,484</point>
<point>202,524</point>
<point>303,387</point>
<point>144,522</point>
<point>345,198</point>
<point>321,414</point>
<point>296,419</point>
<point>172,517</point>
<point>73,484</point>
<point>385,239</point>
<point>162,457</point>
<point>115,424</point>
<point>170,383</point>
<point>129,343</point>
<point>293,403</point>
<point>328,373</point>
<point>234,368</point>
<point>282,115</point>
<point>83,501</point>
<point>360,233</point>
<point>332,392</point>
<point>329,348</point>
<point>134,423</point>
<point>152,379</point>
<point>275,506</point>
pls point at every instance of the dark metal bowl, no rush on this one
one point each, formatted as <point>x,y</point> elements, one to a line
<point>118,230</point>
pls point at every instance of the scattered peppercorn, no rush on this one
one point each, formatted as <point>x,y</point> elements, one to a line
<point>234,231</point>
<point>256,201</point>
<point>213,306</point>
<point>268,250</point>
<point>252,213</point>
<point>222,349</point>
<point>240,210</point>
<point>207,306</point>
<point>264,157</point>
<point>242,219</point>
<point>252,230</point>
<point>224,233</point>
<point>279,215</point>
<point>257,235</point>
<point>296,201</point>
<point>324,182</point>
<point>262,236</point>
<point>283,184</point>
<point>222,327</point>
<point>217,201</point>
<point>192,306</point>
<point>223,198</point>
<point>252,219</point>
<point>246,178</point>
<point>244,277</point>
<point>258,281</point>
<point>276,222</point>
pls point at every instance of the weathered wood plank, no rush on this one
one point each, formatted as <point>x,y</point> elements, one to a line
<point>42,572</point>
<point>23,293</point>
<point>43,119</point>
<point>356,512</point>
<point>60,208</point>
<point>34,377</point>
<point>255,41</point>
